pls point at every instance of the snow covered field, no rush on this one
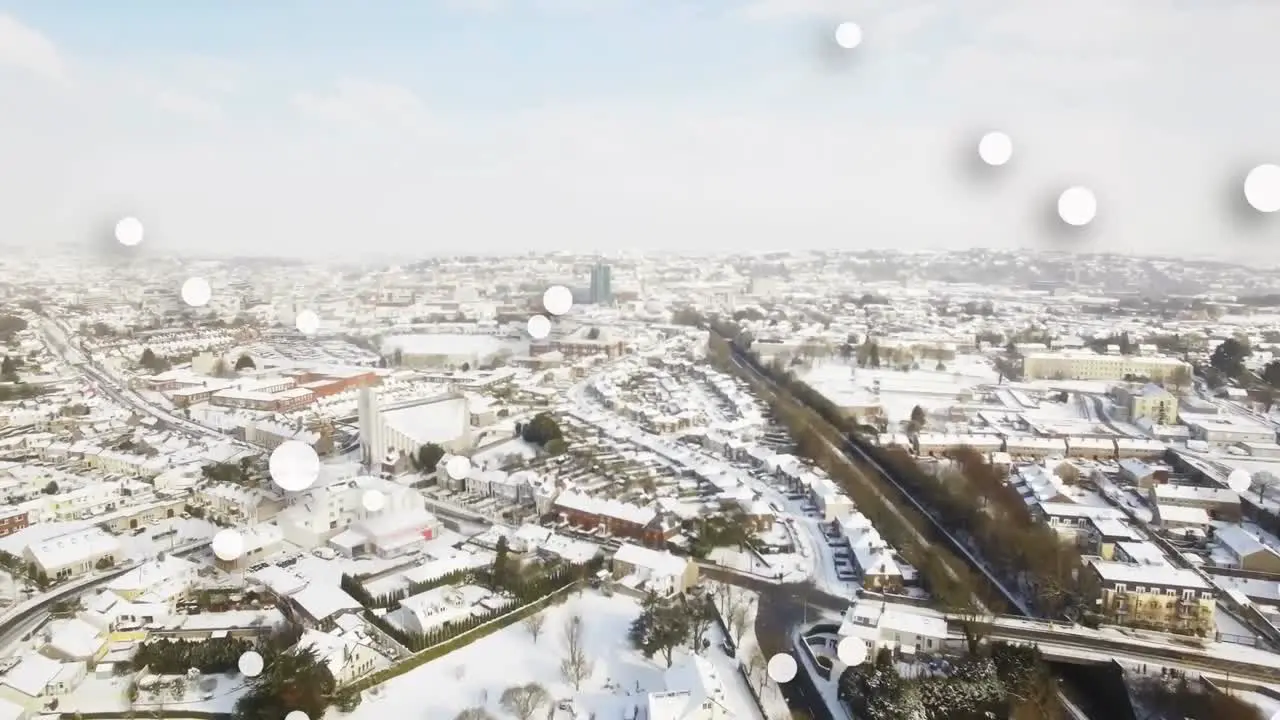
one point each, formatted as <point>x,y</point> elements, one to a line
<point>848,385</point>
<point>477,674</point>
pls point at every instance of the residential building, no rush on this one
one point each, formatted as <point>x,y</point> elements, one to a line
<point>612,517</point>
<point>1219,502</point>
<point>1157,596</point>
<point>1152,402</point>
<point>655,571</point>
<point>694,691</point>
<point>1242,549</point>
<point>36,679</point>
<point>900,628</point>
<point>1092,366</point>
<point>348,659</point>
<point>12,520</point>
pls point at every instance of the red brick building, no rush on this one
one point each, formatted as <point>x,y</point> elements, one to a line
<point>11,521</point>
<point>619,519</point>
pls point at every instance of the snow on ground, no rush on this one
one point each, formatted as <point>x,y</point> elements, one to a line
<point>1232,630</point>
<point>781,567</point>
<point>1270,707</point>
<point>824,575</point>
<point>478,673</point>
<point>148,545</point>
<point>899,392</point>
<point>107,694</point>
<point>775,706</point>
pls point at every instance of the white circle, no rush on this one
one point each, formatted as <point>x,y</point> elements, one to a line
<point>296,715</point>
<point>294,465</point>
<point>852,651</point>
<point>307,322</point>
<point>539,327</point>
<point>129,231</point>
<point>1077,206</point>
<point>373,500</point>
<point>1262,188</point>
<point>458,467</point>
<point>557,299</point>
<point>228,545</point>
<point>782,668</point>
<point>848,35</point>
<point>196,292</point>
<point>1240,480</point>
<point>995,148</point>
<point>250,663</point>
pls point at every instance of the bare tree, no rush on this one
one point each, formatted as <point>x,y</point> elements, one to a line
<point>523,701</point>
<point>1068,473</point>
<point>534,625</point>
<point>576,666</point>
<point>474,713</point>
<point>737,621</point>
<point>757,669</point>
<point>701,614</point>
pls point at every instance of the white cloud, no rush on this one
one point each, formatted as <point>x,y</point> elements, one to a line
<point>189,106</point>
<point>1158,105</point>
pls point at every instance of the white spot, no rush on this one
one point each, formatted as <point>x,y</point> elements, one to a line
<point>296,715</point>
<point>373,500</point>
<point>196,292</point>
<point>539,327</point>
<point>250,663</point>
<point>1262,188</point>
<point>557,299</point>
<point>129,231</point>
<point>228,545</point>
<point>848,35</point>
<point>307,322</point>
<point>458,467</point>
<point>294,465</point>
<point>995,148</point>
<point>782,668</point>
<point>1077,206</point>
<point>852,651</point>
<point>1240,480</point>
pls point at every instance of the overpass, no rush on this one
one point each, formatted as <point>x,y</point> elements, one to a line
<point>1076,644</point>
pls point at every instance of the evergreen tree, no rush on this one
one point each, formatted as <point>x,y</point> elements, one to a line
<point>661,627</point>
<point>294,680</point>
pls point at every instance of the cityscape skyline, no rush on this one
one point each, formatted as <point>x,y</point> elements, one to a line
<point>657,126</point>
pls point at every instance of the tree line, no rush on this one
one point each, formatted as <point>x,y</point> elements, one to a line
<point>977,504</point>
<point>817,431</point>
<point>1004,680</point>
<point>974,503</point>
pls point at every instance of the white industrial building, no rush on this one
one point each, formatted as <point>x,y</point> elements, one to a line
<point>338,514</point>
<point>444,420</point>
<point>73,554</point>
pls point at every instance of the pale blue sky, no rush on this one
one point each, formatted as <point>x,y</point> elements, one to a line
<point>335,127</point>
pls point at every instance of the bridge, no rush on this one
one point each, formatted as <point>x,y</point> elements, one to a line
<point>1077,643</point>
